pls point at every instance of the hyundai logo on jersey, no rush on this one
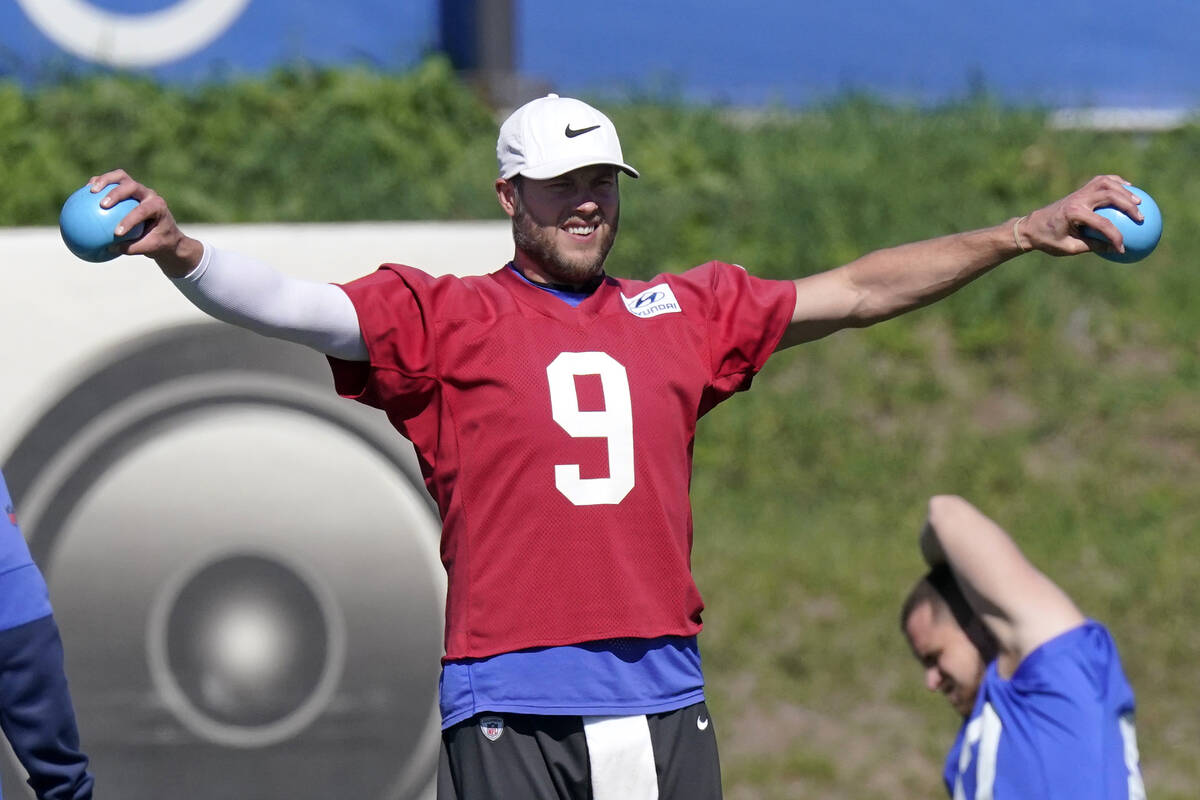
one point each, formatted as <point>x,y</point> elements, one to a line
<point>652,302</point>
<point>649,299</point>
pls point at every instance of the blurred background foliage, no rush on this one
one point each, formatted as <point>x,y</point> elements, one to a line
<point>1059,395</point>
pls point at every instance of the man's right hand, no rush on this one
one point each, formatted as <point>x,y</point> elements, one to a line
<point>161,240</point>
<point>1057,229</point>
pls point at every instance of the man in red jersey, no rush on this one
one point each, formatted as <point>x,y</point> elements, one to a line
<point>552,408</point>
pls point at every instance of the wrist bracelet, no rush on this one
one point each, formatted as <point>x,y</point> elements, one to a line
<point>1016,223</point>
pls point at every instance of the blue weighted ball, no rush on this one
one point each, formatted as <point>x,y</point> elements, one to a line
<point>1140,237</point>
<point>87,229</point>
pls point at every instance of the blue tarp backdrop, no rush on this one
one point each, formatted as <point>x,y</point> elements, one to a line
<point>1046,52</point>
<point>191,40</point>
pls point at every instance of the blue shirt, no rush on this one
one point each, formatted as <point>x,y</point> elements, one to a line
<point>23,594</point>
<point>573,299</point>
<point>1060,728</point>
<point>617,677</point>
<point>35,706</point>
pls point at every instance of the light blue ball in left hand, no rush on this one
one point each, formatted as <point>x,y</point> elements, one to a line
<point>87,228</point>
<point>1140,237</point>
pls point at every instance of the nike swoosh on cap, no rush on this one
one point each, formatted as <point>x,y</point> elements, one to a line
<point>572,133</point>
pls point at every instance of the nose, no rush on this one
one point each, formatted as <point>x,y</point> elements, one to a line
<point>586,204</point>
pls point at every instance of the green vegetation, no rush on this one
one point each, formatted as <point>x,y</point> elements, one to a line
<point>1059,395</point>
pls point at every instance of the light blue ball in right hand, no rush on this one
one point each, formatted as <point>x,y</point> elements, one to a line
<point>1140,237</point>
<point>87,228</point>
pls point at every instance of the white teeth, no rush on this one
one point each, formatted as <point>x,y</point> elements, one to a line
<point>581,230</point>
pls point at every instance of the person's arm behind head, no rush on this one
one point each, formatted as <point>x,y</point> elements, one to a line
<point>1020,606</point>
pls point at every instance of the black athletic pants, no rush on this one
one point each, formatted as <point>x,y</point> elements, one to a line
<point>537,757</point>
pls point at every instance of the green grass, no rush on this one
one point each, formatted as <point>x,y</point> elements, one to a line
<point>1059,395</point>
<point>809,494</point>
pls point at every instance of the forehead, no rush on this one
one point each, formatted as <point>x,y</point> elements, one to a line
<point>926,632</point>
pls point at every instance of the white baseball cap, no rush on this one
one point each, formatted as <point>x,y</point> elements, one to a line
<point>553,135</point>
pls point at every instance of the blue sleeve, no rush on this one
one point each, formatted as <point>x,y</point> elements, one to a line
<point>23,595</point>
<point>36,712</point>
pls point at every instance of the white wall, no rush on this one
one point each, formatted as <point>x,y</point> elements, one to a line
<point>146,452</point>
<point>58,314</point>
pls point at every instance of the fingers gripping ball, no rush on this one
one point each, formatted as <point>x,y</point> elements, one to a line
<point>87,229</point>
<point>1140,237</point>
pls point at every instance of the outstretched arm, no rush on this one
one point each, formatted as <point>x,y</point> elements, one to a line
<point>234,288</point>
<point>889,282</point>
<point>244,292</point>
<point>1020,605</point>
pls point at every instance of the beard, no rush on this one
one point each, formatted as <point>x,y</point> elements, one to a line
<point>575,269</point>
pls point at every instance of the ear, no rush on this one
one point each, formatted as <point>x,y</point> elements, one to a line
<point>506,193</point>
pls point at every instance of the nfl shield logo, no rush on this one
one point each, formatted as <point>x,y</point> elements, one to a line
<point>492,727</point>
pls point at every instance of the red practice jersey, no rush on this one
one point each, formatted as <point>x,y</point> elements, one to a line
<point>557,440</point>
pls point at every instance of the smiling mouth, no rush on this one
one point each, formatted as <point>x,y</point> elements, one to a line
<point>580,229</point>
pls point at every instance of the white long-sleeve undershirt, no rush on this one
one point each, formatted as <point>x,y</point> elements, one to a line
<point>250,294</point>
